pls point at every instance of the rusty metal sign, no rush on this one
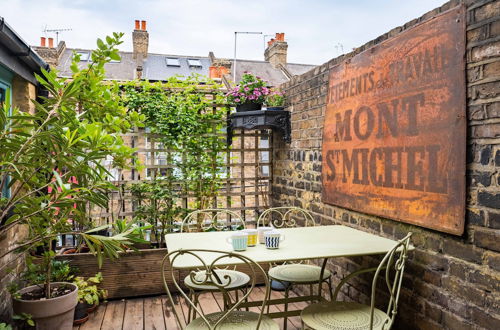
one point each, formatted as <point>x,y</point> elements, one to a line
<point>394,137</point>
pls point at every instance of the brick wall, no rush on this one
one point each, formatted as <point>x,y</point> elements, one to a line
<point>451,282</point>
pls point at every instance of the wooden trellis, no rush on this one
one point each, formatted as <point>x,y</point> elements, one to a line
<point>244,186</point>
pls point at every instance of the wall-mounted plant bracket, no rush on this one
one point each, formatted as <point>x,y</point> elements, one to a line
<point>277,120</point>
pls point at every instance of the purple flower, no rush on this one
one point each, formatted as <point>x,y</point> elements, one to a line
<point>236,100</point>
<point>246,89</point>
<point>257,93</point>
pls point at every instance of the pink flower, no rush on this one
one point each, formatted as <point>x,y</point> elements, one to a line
<point>246,89</point>
<point>236,100</point>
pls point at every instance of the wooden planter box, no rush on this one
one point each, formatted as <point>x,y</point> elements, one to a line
<point>135,273</point>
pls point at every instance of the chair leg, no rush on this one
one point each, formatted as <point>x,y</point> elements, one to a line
<point>285,320</point>
<point>269,296</point>
<point>330,288</point>
<point>311,293</point>
<point>244,292</point>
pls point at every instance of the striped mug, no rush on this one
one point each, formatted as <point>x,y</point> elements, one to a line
<point>252,236</point>
<point>273,239</point>
<point>239,241</point>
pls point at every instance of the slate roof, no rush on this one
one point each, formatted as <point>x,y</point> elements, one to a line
<point>263,69</point>
<point>123,70</point>
<point>155,67</point>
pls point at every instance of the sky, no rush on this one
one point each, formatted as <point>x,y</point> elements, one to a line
<point>316,30</point>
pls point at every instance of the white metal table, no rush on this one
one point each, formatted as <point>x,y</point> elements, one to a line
<point>302,243</point>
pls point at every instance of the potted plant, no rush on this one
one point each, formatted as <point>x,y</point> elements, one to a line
<point>275,100</point>
<point>89,296</point>
<point>52,163</point>
<point>250,94</point>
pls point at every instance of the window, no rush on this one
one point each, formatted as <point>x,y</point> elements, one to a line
<point>264,155</point>
<point>194,63</point>
<point>4,89</point>
<point>173,61</point>
<point>84,56</point>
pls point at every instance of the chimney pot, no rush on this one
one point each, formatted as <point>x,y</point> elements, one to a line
<point>42,41</point>
<point>143,25</point>
<point>276,51</point>
<point>137,24</point>
<point>51,42</point>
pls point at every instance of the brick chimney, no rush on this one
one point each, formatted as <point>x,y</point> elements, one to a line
<point>276,50</point>
<point>48,52</point>
<point>140,40</point>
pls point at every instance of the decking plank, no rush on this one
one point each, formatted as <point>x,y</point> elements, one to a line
<point>134,314</point>
<point>95,319</point>
<point>113,318</point>
<point>154,318</point>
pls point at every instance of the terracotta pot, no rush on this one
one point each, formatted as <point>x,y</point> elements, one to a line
<point>49,314</point>
<point>91,308</point>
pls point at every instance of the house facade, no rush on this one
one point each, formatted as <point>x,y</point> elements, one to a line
<point>18,86</point>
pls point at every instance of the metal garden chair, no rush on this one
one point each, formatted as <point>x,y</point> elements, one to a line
<point>351,315</point>
<point>296,273</point>
<point>209,277</point>
<point>214,220</point>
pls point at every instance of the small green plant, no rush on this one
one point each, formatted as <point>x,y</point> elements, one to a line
<point>4,326</point>
<point>250,89</point>
<point>157,206</point>
<point>275,99</point>
<point>24,317</point>
<point>88,290</point>
<point>34,273</point>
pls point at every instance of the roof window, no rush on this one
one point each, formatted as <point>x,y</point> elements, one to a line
<point>84,56</point>
<point>173,61</point>
<point>194,63</point>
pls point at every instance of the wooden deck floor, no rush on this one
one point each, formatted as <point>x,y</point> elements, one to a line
<point>156,312</point>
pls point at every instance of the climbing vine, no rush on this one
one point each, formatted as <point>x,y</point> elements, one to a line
<point>184,116</point>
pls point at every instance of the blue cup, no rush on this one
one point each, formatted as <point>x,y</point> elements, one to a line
<point>239,241</point>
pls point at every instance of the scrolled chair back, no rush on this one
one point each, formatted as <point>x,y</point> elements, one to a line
<point>285,217</point>
<point>209,261</point>
<point>392,266</point>
<point>212,220</point>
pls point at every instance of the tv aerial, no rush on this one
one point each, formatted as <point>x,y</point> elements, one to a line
<point>56,31</point>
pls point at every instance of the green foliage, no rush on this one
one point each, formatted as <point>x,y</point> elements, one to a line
<point>52,159</point>
<point>191,129</point>
<point>157,205</point>
<point>25,317</point>
<point>34,273</point>
<point>4,326</point>
<point>88,290</point>
<point>250,89</point>
<point>275,99</point>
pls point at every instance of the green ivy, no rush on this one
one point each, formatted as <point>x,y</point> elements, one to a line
<point>188,125</point>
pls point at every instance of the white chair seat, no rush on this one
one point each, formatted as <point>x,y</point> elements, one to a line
<point>236,320</point>
<point>342,316</point>
<point>298,273</point>
<point>237,280</point>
